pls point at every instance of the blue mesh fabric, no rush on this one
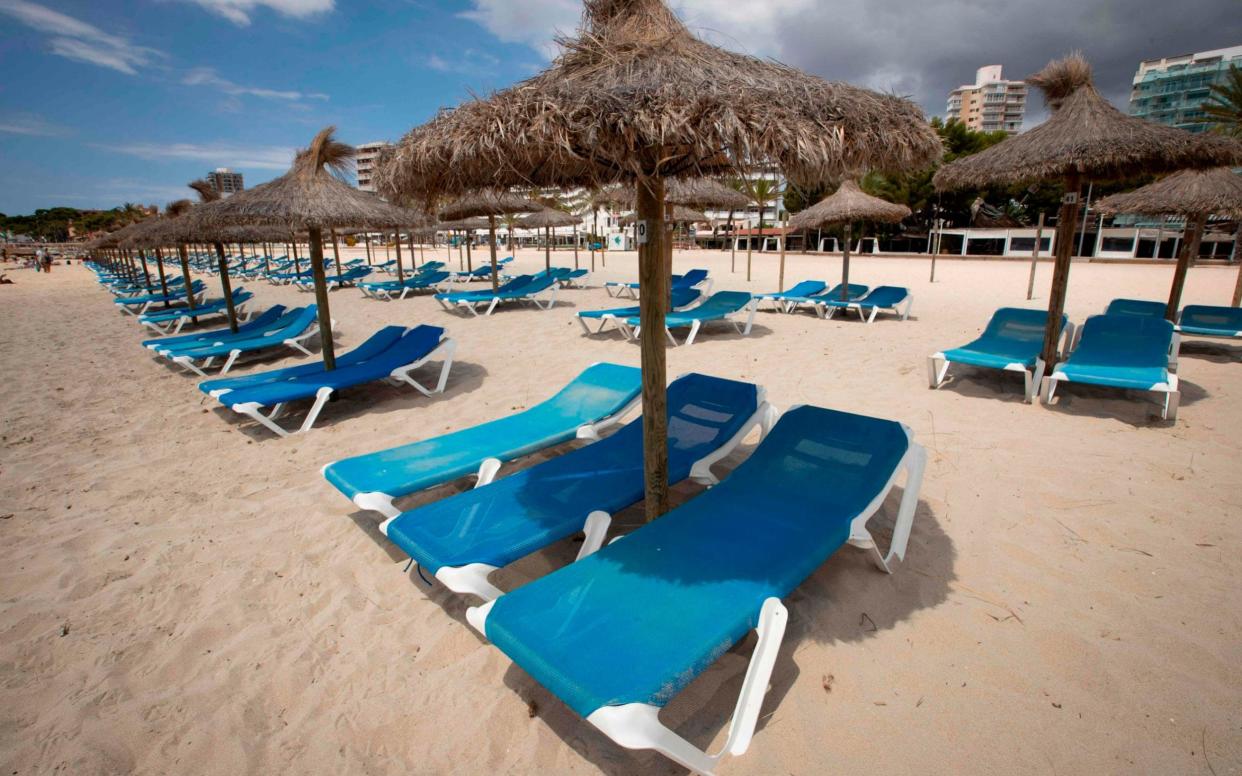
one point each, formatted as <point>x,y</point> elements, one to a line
<point>1141,307</point>
<point>258,323</point>
<point>638,620</point>
<point>1211,321</point>
<point>718,305</point>
<point>292,324</point>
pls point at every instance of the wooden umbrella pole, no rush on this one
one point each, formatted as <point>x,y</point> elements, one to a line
<point>225,285</point>
<point>547,248</point>
<point>159,266</point>
<point>297,263</point>
<point>575,246</point>
<point>1190,249</point>
<point>1067,220</point>
<point>184,252</point>
<point>400,272</point>
<point>653,306</point>
<point>491,246</point>
<point>422,252</point>
<point>732,245</point>
<point>784,236</point>
<point>469,255</point>
<point>145,274</point>
<point>366,238</point>
<point>1039,237</point>
<point>596,239</point>
<point>321,298</point>
<point>336,253</point>
<point>845,263</point>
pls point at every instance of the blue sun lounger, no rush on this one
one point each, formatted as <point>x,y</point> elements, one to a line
<point>595,400</point>
<point>695,278</point>
<point>1121,351</point>
<point>1012,341</point>
<point>618,634</point>
<point>1210,321</point>
<point>720,306</point>
<point>854,292</point>
<point>464,538</point>
<point>895,299</point>
<point>170,321</point>
<point>294,329</point>
<point>332,279</point>
<point>145,302</point>
<point>387,290</point>
<point>680,299</point>
<point>523,288</point>
<point>256,324</point>
<point>407,352</point>
<point>806,288</point>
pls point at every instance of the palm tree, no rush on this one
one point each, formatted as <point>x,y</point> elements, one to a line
<point>763,192</point>
<point>1224,107</point>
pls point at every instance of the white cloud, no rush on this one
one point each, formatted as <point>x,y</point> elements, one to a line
<point>206,76</point>
<point>240,11</point>
<point>533,22</point>
<point>78,40</point>
<point>30,124</point>
<point>255,157</point>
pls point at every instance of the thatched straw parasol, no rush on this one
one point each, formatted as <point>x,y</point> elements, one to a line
<point>310,197</point>
<point>1085,137</point>
<point>546,219</point>
<point>680,215</point>
<point>1194,194</point>
<point>847,204</point>
<point>637,99</point>
<point>489,204</point>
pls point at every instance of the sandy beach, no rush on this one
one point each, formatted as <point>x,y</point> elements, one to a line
<point>181,591</point>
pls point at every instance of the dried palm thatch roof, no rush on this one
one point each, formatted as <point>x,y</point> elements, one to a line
<point>1087,135</point>
<point>691,192</point>
<point>547,218</point>
<point>636,95</point>
<point>308,196</point>
<point>488,203</point>
<point>1186,193</point>
<point>681,215</point>
<point>463,224</point>
<point>848,203</point>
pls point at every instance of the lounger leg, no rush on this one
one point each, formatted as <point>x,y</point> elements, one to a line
<point>752,308</point>
<point>487,472</point>
<point>321,398</point>
<point>186,362</point>
<point>874,312</point>
<point>694,330</point>
<point>905,315</point>
<point>935,374</point>
<point>915,462</point>
<point>470,579</point>
<point>668,333</point>
<point>596,530</point>
<point>447,349</point>
<point>1171,401</point>
<point>253,410</point>
<point>637,725</point>
<point>585,329</point>
<point>491,308</point>
<point>1049,389</point>
<point>228,363</point>
<point>377,502</point>
<point>1033,382</point>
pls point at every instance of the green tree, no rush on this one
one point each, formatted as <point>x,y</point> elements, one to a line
<point>1224,106</point>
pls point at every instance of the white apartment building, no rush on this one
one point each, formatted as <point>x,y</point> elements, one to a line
<point>365,161</point>
<point>990,104</point>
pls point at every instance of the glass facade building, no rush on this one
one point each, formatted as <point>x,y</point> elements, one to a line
<point>1173,90</point>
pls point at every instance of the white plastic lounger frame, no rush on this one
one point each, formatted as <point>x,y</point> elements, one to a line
<point>490,467</point>
<point>901,309</point>
<point>297,343</point>
<point>938,368</point>
<point>401,375</point>
<point>1172,396</point>
<point>472,578</point>
<point>697,324</point>
<point>638,726</point>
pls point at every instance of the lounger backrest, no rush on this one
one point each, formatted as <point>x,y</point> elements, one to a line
<point>722,302</point>
<point>681,297</point>
<point>691,278</point>
<point>1225,319</point>
<point>885,296</point>
<point>412,346</point>
<point>534,286</point>
<point>1016,324</point>
<point>1124,340</point>
<point>806,288</point>
<point>1136,307</point>
<point>707,566</point>
<point>431,278</point>
<point>854,292</point>
<point>516,283</point>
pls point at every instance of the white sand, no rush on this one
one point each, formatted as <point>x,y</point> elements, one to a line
<point>182,592</point>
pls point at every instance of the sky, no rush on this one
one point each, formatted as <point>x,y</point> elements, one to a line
<point>111,101</point>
